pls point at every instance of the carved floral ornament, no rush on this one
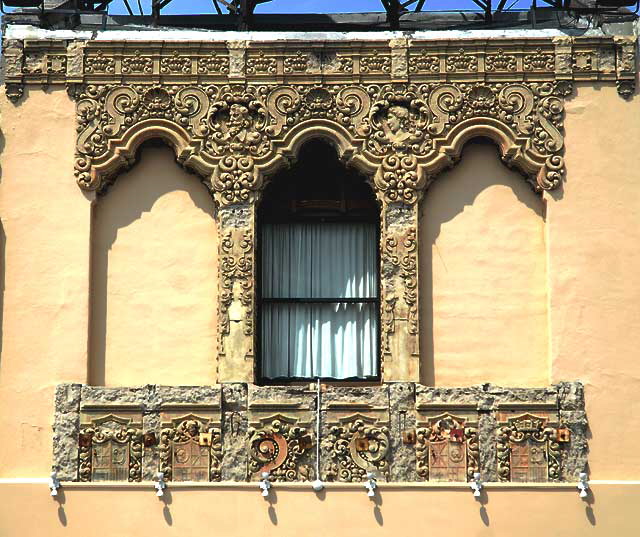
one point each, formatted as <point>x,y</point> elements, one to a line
<point>401,112</point>
<point>403,134</point>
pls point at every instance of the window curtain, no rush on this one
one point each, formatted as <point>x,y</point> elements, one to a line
<point>315,335</point>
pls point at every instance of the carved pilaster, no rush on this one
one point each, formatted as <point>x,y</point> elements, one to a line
<point>399,59</point>
<point>236,277</point>
<point>626,65</point>
<point>399,298</point>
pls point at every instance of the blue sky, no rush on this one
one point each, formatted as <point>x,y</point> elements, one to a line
<point>302,6</point>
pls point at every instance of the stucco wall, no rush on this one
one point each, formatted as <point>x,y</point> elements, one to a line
<point>593,230</point>
<point>154,277</point>
<point>238,513</point>
<point>591,236</point>
<point>483,283</point>
<point>45,258</point>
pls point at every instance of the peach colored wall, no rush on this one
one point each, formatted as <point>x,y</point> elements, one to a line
<point>593,228</point>
<point>44,254</point>
<point>483,282</point>
<point>154,277</point>
<point>242,513</point>
<point>591,236</point>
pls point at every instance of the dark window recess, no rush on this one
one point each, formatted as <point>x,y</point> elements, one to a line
<point>318,272</point>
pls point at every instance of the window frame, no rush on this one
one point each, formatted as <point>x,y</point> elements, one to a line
<point>259,301</point>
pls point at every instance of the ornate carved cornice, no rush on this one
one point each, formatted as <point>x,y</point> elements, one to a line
<point>400,110</point>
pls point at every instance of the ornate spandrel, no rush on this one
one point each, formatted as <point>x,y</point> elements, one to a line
<point>447,447</point>
<point>110,447</point>
<point>528,449</point>
<point>191,447</point>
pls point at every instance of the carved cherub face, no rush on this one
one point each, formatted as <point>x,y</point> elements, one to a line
<point>398,119</point>
<point>238,114</point>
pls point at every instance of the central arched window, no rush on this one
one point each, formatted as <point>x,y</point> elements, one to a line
<point>319,284</point>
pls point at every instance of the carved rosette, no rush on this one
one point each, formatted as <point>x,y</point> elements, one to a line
<point>357,447</point>
<point>448,445</point>
<point>110,452</point>
<point>527,450</point>
<point>185,445</point>
<point>277,448</point>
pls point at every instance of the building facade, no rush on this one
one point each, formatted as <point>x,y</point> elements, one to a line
<point>148,179</point>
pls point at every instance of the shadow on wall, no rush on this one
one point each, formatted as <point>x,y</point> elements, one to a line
<point>134,193</point>
<point>454,192</point>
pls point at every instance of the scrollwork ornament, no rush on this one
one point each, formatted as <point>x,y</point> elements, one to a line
<point>278,448</point>
<point>188,431</point>
<point>357,448</point>
<point>398,178</point>
<point>124,438</point>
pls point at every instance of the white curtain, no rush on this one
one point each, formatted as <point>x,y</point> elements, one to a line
<point>316,261</point>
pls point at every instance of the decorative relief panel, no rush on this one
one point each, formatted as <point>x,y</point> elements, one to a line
<point>276,445</point>
<point>528,449</point>
<point>356,437</point>
<point>190,448</point>
<point>401,431</point>
<point>110,446</point>
<point>359,444</point>
<point>447,447</point>
<point>281,435</point>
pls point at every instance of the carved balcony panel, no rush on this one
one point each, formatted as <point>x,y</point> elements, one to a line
<point>529,445</point>
<point>281,435</point>
<point>190,445</point>
<point>356,433</point>
<point>404,432</point>
<point>447,447</point>
<point>110,443</point>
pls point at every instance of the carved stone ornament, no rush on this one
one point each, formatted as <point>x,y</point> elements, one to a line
<point>399,110</point>
<point>191,451</point>
<point>277,448</point>
<point>528,450</point>
<point>357,446</point>
<point>110,450</point>
<point>447,450</point>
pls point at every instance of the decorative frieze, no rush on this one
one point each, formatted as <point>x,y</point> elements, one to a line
<point>383,61</point>
<point>400,431</point>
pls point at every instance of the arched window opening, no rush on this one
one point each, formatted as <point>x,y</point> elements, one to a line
<point>319,284</point>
